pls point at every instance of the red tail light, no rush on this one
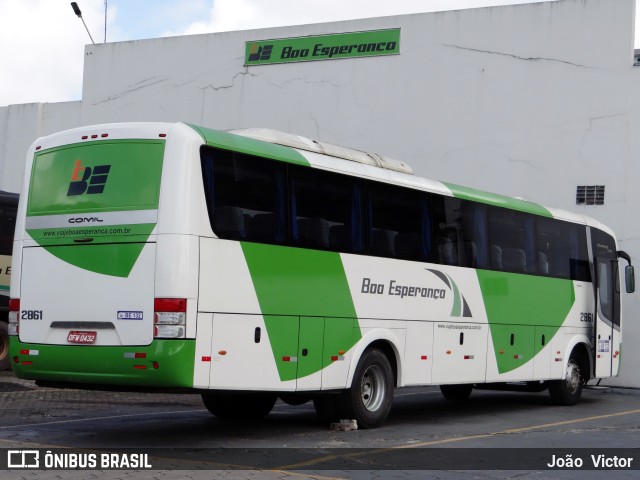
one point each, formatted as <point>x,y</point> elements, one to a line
<point>170,316</point>
<point>14,316</point>
<point>170,305</point>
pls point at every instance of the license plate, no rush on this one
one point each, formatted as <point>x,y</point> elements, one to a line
<point>81,337</point>
<point>128,315</point>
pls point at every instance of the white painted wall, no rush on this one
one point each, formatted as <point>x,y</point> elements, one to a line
<point>525,100</point>
<point>20,125</point>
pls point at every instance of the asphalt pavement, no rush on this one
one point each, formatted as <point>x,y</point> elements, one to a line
<point>501,434</point>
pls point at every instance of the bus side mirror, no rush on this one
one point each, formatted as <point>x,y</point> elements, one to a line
<point>630,279</point>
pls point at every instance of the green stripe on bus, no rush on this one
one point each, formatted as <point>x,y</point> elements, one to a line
<point>107,365</point>
<point>130,232</point>
<point>515,305</point>
<point>291,283</point>
<point>497,200</point>
<point>115,259</point>
<point>250,146</point>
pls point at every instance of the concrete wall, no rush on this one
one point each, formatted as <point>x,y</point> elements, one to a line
<point>526,100</point>
<point>539,93</point>
<point>20,125</point>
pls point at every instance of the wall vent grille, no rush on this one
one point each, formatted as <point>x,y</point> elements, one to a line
<point>590,195</point>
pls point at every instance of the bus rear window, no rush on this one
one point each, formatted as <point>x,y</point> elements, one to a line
<point>96,177</point>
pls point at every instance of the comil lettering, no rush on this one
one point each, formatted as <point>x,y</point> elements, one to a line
<point>84,220</point>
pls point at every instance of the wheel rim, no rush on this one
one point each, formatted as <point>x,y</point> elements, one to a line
<point>573,377</point>
<point>372,388</point>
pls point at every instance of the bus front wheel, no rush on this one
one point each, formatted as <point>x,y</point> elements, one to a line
<point>568,390</point>
<point>371,394</point>
<point>239,406</point>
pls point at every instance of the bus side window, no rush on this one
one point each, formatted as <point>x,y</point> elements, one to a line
<point>562,250</point>
<point>325,210</point>
<point>446,226</point>
<point>263,228</point>
<point>399,222</point>
<point>245,195</point>
<point>382,242</point>
<point>340,238</point>
<point>229,222</point>
<point>476,245</point>
<point>313,232</point>
<point>578,254</point>
<point>460,233</point>
<point>512,236</point>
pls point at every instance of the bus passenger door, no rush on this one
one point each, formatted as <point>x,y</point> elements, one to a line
<point>606,322</point>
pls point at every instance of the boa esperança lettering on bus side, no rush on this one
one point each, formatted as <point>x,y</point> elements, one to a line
<point>402,291</point>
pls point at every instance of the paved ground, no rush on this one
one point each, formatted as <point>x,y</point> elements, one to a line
<point>607,420</point>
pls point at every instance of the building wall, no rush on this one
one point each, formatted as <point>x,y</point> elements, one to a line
<point>20,125</point>
<point>525,100</point>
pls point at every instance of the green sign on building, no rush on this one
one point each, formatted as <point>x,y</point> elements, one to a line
<point>323,47</point>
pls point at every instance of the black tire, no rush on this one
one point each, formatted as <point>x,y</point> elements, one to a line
<point>456,392</point>
<point>371,394</point>
<point>5,364</point>
<point>239,406</point>
<point>568,390</point>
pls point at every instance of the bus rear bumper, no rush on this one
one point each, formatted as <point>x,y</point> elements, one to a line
<point>162,364</point>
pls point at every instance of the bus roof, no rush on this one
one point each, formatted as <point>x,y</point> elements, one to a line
<point>304,151</point>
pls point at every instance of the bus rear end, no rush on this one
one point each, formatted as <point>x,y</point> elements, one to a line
<point>83,307</point>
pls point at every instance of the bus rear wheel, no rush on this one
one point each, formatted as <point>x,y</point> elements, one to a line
<point>4,346</point>
<point>239,406</point>
<point>568,390</point>
<point>371,394</point>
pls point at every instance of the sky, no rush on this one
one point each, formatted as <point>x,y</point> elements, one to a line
<point>42,41</point>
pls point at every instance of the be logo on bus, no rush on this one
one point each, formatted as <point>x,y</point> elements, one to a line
<point>88,180</point>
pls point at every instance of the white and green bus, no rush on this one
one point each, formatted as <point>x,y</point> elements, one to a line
<point>253,264</point>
